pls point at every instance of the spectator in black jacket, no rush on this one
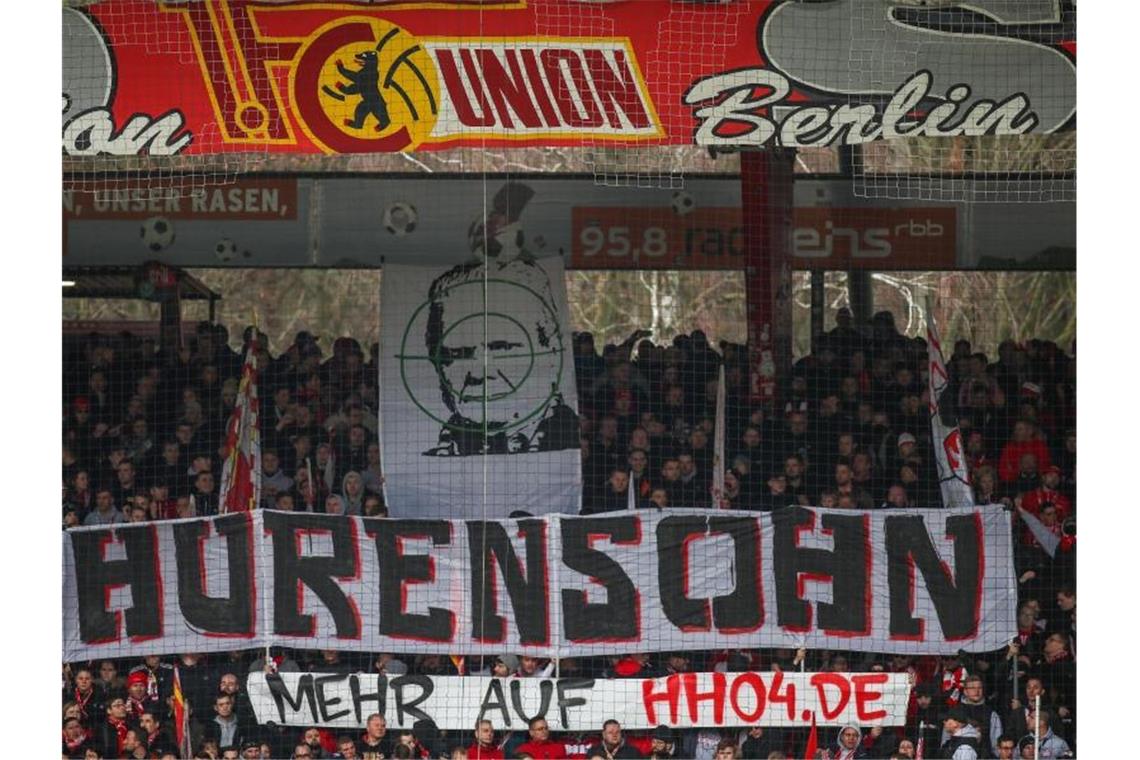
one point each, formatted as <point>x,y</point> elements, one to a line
<point>223,727</point>
<point>612,744</point>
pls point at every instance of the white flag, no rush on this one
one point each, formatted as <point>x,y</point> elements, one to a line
<point>718,499</point>
<point>953,474</point>
<point>1049,541</point>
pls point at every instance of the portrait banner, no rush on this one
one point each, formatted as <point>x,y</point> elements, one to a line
<point>478,403</point>
<point>582,705</point>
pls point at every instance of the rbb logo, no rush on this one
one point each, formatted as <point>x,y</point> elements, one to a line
<point>920,228</point>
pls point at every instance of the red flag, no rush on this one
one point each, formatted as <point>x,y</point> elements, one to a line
<point>241,473</point>
<point>813,741</point>
<point>181,718</point>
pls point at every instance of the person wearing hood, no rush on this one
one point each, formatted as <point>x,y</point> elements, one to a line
<point>352,493</point>
<point>849,744</point>
<point>965,741</point>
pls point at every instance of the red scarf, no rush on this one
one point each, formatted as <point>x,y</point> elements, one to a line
<point>135,708</point>
<point>73,746</point>
<point>82,701</point>
<point>952,684</point>
<point>121,729</point>
<point>151,686</point>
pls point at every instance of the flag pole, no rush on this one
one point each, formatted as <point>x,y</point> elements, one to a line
<point>257,475</point>
<point>1037,727</point>
<point>718,444</point>
<point>312,495</point>
<point>1016,679</point>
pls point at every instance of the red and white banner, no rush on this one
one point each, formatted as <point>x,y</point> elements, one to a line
<point>582,705</point>
<point>241,471</point>
<point>292,76</point>
<point>953,472</point>
<point>912,581</point>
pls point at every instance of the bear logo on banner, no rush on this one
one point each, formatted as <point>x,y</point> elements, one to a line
<point>362,85</point>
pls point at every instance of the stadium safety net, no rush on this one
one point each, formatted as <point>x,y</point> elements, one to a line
<point>569,378</point>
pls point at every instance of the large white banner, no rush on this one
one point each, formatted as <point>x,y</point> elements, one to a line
<point>911,581</point>
<point>478,403</point>
<point>345,700</point>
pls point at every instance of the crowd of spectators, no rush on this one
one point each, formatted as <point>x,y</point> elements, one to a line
<point>143,433</point>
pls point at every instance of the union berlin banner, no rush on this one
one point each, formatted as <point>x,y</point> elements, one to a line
<point>582,705</point>
<point>290,76</point>
<point>911,581</point>
<point>478,402</point>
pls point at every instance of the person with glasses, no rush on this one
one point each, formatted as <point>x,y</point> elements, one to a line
<point>541,746</point>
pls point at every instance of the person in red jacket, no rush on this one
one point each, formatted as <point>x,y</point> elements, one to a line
<point>1048,493</point>
<point>485,747</point>
<point>540,746</point>
<point>1026,440</point>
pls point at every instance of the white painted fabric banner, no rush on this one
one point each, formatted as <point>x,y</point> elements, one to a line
<point>478,403</point>
<point>582,704</point>
<point>910,581</point>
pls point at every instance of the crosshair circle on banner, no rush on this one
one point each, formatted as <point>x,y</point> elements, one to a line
<point>524,354</point>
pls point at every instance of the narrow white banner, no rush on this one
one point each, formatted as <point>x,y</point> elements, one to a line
<point>583,704</point>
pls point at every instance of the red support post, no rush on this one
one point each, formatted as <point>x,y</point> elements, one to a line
<point>766,195</point>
